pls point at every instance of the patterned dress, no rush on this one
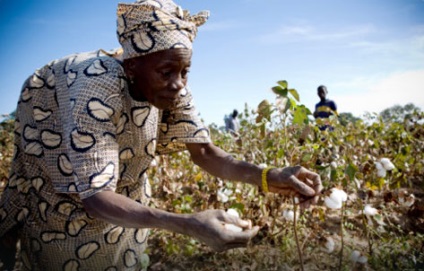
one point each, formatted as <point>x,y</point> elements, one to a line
<point>79,132</point>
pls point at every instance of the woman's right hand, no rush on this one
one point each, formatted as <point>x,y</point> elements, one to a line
<point>209,227</point>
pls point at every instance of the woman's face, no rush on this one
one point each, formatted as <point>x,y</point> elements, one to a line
<point>158,77</point>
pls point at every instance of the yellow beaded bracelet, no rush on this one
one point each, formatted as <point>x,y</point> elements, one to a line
<point>264,181</point>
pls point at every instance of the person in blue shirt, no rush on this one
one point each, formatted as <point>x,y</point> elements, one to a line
<point>324,109</point>
<point>231,123</point>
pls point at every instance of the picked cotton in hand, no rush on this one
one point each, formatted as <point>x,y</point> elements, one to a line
<point>233,212</point>
<point>232,227</point>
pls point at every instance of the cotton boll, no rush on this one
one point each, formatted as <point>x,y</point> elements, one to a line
<point>288,215</point>
<point>233,212</point>
<point>369,210</point>
<point>338,195</point>
<point>224,194</point>
<point>335,199</point>
<point>333,165</point>
<point>379,166</point>
<point>222,197</point>
<point>263,165</point>
<point>227,192</point>
<point>355,256</point>
<point>362,259</point>
<point>387,164</point>
<point>332,204</point>
<point>233,228</point>
<point>381,171</point>
<point>154,163</point>
<point>406,200</point>
<point>329,244</point>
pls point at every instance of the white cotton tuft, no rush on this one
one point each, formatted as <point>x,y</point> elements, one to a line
<point>329,244</point>
<point>330,203</point>
<point>233,212</point>
<point>222,197</point>
<point>407,200</point>
<point>154,163</point>
<point>224,194</point>
<point>288,215</point>
<point>335,199</point>
<point>338,195</point>
<point>355,255</point>
<point>381,171</point>
<point>232,227</point>
<point>369,210</point>
<point>362,259</point>
<point>387,164</point>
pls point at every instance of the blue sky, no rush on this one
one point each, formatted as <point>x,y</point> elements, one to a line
<point>369,53</point>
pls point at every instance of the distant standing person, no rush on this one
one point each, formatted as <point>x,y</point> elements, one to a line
<point>324,109</point>
<point>231,123</point>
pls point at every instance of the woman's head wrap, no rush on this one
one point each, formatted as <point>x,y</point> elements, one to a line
<point>148,26</point>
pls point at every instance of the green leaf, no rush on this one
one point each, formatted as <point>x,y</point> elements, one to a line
<point>333,175</point>
<point>295,94</point>
<point>351,171</point>
<point>238,206</point>
<point>283,83</point>
<point>280,91</point>
<point>306,157</point>
<point>280,153</point>
<point>300,115</point>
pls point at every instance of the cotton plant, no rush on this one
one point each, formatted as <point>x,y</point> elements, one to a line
<point>334,200</point>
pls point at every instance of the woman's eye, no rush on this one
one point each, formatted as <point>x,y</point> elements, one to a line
<point>166,73</point>
<point>184,73</point>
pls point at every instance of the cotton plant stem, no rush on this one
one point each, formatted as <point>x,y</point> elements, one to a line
<point>341,237</point>
<point>367,233</point>
<point>296,237</point>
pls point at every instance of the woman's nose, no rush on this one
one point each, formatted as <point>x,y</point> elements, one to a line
<point>178,83</point>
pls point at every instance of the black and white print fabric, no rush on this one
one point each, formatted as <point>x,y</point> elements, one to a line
<point>78,132</point>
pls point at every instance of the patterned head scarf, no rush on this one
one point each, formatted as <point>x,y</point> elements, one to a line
<point>148,26</point>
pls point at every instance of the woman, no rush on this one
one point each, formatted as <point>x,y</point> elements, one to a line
<point>88,127</point>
